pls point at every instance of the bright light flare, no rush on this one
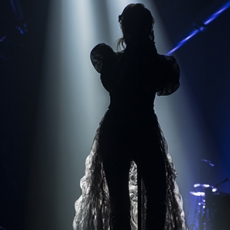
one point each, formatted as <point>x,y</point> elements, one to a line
<point>206,22</point>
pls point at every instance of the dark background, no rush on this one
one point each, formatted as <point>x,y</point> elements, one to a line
<point>205,62</point>
<point>20,71</point>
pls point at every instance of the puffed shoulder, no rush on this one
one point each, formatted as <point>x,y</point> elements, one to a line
<point>171,76</point>
<point>99,54</point>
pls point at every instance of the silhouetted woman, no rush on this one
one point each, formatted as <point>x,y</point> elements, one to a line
<point>129,136</point>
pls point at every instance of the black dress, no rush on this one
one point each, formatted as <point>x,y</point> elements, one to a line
<point>129,135</point>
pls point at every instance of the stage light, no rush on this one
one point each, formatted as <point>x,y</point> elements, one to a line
<point>215,15</point>
<point>203,185</point>
<point>206,22</point>
<point>181,43</point>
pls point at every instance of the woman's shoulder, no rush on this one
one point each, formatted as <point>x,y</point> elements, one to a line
<point>101,53</point>
<point>102,49</point>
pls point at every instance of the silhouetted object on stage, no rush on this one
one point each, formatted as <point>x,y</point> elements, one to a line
<point>218,210</point>
<point>129,137</point>
<point>222,182</point>
<point>213,207</point>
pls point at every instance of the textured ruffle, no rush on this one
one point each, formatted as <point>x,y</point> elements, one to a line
<point>93,207</point>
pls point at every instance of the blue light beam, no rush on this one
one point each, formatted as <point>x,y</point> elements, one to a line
<point>196,31</point>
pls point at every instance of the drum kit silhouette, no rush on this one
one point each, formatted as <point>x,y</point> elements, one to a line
<point>212,210</point>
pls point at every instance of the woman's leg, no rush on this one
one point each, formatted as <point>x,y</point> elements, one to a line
<point>150,161</point>
<point>116,167</point>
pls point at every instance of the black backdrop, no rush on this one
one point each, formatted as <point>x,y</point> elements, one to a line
<point>20,71</point>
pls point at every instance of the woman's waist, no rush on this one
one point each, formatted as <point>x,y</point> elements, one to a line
<point>119,120</point>
<point>125,105</point>
<point>131,113</point>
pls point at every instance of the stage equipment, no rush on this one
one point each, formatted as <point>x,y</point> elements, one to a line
<point>212,208</point>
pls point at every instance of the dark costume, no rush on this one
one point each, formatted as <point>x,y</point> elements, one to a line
<point>129,136</point>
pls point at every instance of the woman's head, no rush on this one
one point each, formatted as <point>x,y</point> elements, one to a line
<point>136,22</point>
